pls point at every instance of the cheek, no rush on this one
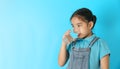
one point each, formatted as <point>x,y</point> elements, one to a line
<point>84,30</point>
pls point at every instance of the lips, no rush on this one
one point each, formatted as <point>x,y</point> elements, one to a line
<point>79,34</point>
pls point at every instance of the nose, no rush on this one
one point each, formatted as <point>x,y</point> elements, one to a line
<point>75,30</point>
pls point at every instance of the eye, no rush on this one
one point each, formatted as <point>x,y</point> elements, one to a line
<point>79,25</point>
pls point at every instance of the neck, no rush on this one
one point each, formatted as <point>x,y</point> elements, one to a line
<point>91,33</point>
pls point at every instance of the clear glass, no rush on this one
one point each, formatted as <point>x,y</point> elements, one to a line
<point>73,34</point>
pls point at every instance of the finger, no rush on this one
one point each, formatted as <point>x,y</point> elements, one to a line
<point>69,38</point>
<point>68,32</point>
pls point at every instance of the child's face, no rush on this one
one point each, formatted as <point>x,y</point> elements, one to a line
<point>82,28</point>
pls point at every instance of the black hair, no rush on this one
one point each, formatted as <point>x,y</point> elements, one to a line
<point>85,14</point>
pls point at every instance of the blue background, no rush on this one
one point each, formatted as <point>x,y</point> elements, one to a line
<point>31,30</point>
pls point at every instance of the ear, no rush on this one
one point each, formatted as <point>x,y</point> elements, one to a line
<point>91,24</point>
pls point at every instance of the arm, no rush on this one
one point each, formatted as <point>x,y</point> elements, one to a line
<point>64,55</point>
<point>105,62</point>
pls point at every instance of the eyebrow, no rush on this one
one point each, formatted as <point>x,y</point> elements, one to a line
<point>76,24</point>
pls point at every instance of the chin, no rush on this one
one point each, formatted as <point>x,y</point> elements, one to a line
<point>82,37</point>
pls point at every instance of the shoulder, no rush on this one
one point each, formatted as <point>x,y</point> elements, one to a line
<point>102,42</point>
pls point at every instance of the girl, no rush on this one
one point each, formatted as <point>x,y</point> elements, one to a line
<point>87,51</point>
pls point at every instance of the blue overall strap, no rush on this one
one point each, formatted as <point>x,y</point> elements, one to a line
<point>93,41</point>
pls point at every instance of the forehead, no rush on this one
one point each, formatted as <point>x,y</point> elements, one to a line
<point>77,20</point>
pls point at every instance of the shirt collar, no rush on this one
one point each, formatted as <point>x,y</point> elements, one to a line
<point>90,37</point>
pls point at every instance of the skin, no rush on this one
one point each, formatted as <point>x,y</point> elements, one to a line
<point>83,29</point>
<point>105,62</point>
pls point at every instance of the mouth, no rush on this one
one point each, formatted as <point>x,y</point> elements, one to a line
<point>79,35</point>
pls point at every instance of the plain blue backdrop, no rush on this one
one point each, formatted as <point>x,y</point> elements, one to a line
<point>31,30</point>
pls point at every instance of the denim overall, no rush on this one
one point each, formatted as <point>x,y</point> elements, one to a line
<point>79,57</point>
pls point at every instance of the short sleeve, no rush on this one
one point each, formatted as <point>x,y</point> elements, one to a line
<point>104,50</point>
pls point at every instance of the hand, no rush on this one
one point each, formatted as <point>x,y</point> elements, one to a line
<point>67,38</point>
